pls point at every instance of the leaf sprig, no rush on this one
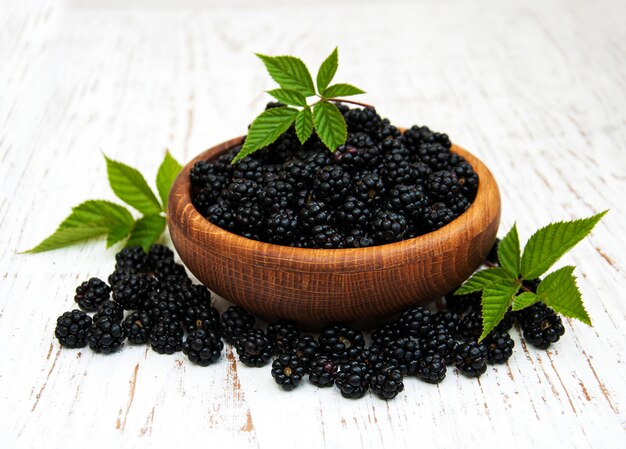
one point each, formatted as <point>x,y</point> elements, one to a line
<point>96,218</point>
<point>296,85</point>
<point>501,285</point>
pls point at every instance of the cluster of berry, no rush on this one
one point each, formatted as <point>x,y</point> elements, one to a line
<point>164,304</point>
<point>381,186</point>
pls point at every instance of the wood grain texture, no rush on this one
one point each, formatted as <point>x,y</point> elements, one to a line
<point>537,90</point>
<point>315,287</point>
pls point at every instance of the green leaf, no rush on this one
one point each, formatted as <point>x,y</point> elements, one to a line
<point>327,70</point>
<point>562,294</point>
<point>304,124</point>
<point>90,219</point>
<point>288,96</point>
<point>166,175</point>
<point>265,129</point>
<point>509,252</point>
<point>497,298</point>
<point>130,186</point>
<point>482,279</point>
<point>524,300</point>
<point>330,125</point>
<point>290,73</point>
<point>146,231</point>
<point>341,90</point>
<point>551,242</point>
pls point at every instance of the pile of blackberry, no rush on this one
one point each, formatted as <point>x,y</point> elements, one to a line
<point>162,306</point>
<point>381,186</point>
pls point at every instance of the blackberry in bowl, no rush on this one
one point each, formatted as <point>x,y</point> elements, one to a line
<point>392,218</point>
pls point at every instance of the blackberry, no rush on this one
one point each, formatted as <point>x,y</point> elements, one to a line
<point>397,170</point>
<point>203,347</point>
<point>204,200</point>
<point>240,191</point>
<point>471,326</point>
<point>341,343</point>
<point>248,217</point>
<point>133,258</point>
<point>463,303</point>
<point>431,368</point>
<point>458,204</point>
<point>275,195</point>
<point>358,239</point>
<point>471,358</point>
<point>284,333</point>
<point>499,347</point>
<point>131,290</point>
<point>541,325</point>
<point>370,188</point>
<point>387,131</point>
<point>447,319</point>
<point>327,237</point>
<point>417,135</point>
<point>323,372</point>
<point>221,215</point>
<point>403,354</point>
<point>205,175</point>
<point>162,304</point>
<point>281,227</point>
<point>158,252</point>
<point>331,184</point>
<point>314,214</point>
<point>166,336</point>
<point>72,329</point>
<point>307,348</point>
<point>532,284</point>
<point>105,335</point>
<point>201,316</point>
<point>467,178</point>
<point>408,199</point>
<point>110,309</point>
<point>235,322</point>
<point>358,152</point>
<point>434,155</point>
<point>415,322</point>
<point>440,341</point>
<point>386,382</point>
<point>90,294</point>
<point>249,169</point>
<point>168,271</point>
<point>492,257</point>
<point>388,227</point>
<point>255,348</point>
<point>353,379</point>
<point>385,335</point>
<point>288,370</point>
<point>443,185</point>
<point>364,120</point>
<point>353,212</point>
<point>436,216</point>
<point>137,327</point>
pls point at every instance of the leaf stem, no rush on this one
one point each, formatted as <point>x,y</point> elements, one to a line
<point>341,100</point>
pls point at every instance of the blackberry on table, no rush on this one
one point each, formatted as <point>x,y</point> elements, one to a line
<point>166,270</point>
<point>235,322</point>
<point>131,290</point>
<point>203,347</point>
<point>415,322</point>
<point>431,368</point>
<point>471,358</point>
<point>284,333</point>
<point>463,303</point>
<point>439,340</point>
<point>110,309</point>
<point>137,326</point>
<point>201,316</point>
<point>90,294</point>
<point>307,348</point>
<point>166,336</point>
<point>158,252</point>
<point>386,382</point>
<point>403,354</point>
<point>341,343</point>
<point>288,370</point>
<point>471,326</point>
<point>541,325</point>
<point>499,346</point>
<point>323,372</point>
<point>133,258</point>
<point>72,329</point>
<point>353,379</point>
<point>105,335</point>
<point>448,319</point>
<point>255,348</point>
<point>386,334</point>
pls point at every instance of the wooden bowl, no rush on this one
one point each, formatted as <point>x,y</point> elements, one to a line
<point>315,287</point>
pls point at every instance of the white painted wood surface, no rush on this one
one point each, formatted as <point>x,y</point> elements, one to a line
<point>536,89</point>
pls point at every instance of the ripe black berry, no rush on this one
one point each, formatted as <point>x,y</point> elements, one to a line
<point>284,333</point>
<point>255,348</point>
<point>353,379</point>
<point>235,322</point>
<point>72,329</point>
<point>203,347</point>
<point>105,335</point>
<point>471,358</point>
<point>131,290</point>
<point>323,372</point>
<point>90,294</point>
<point>110,309</point>
<point>386,382</point>
<point>541,325</point>
<point>431,368</point>
<point>415,322</point>
<point>167,336</point>
<point>133,258</point>
<point>341,343</point>
<point>499,347</point>
<point>288,370</point>
<point>307,348</point>
<point>388,226</point>
<point>137,327</point>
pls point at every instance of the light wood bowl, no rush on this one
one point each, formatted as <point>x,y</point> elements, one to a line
<point>315,287</point>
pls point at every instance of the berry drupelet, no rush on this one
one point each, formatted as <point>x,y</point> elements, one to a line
<point>288,370</point>
<point>72,329</point>
<point>90,294</point>
<point>203,347</point>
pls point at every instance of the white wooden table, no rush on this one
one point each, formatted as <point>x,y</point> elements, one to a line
<point>536,89</point>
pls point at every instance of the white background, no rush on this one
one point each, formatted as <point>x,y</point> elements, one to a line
<point>536,89</point>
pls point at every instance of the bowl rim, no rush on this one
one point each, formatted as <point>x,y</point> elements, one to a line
<point>179,205</point>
